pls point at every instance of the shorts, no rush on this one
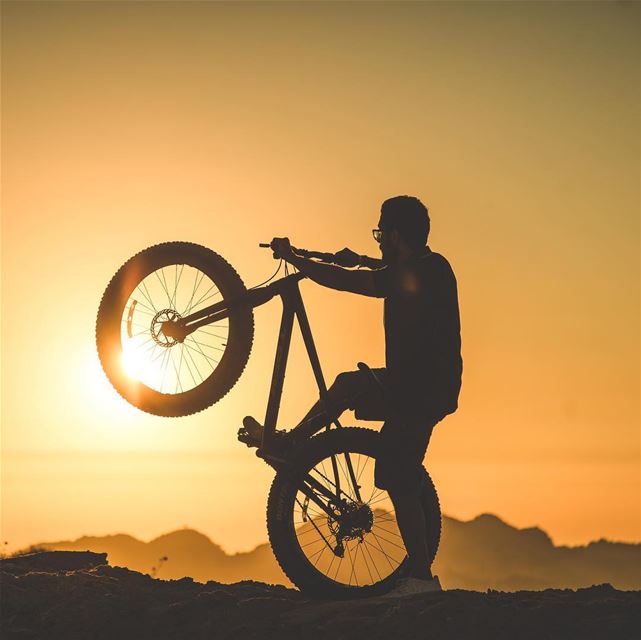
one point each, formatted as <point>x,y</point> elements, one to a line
<point>368,401</point>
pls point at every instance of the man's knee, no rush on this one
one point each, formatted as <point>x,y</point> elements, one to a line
<point>347,383</point>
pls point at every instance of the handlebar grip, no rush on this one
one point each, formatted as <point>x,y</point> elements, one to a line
<point>305,253</point>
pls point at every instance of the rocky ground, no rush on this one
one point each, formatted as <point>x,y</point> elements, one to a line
<point>76,595</point>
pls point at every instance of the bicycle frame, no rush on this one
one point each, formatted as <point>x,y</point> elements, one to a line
<point>293,307</point>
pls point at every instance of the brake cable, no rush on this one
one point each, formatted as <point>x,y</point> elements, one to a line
<point>280,263</point>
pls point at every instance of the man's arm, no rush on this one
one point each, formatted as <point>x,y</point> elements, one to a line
<point>348,258</point>
<point>371,263</point>
<point>361,282</point>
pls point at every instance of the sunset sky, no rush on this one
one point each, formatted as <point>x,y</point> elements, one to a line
<point>125,124</point>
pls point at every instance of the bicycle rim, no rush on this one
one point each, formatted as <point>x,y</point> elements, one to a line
<point>161,363</point>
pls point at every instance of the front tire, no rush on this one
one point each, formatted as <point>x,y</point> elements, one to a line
<point>374,554</point>
<point>159,375</point>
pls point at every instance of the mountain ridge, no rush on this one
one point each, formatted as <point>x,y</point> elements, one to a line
<point>479,554</point>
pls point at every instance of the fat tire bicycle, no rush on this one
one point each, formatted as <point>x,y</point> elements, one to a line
<point>174,332</point>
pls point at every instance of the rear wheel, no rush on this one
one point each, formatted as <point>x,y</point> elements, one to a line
<point>152,370</point>
<point>357,549</point>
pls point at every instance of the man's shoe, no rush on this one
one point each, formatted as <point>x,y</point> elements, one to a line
<point>251,434</point>
<point>412,586</point>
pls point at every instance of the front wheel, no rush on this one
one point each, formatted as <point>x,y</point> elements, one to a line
<point>348,545</point>
<point>158,286</point>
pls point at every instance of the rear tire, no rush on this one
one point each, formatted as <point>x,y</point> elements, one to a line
<point>309,563</point>
<point>217,358</point>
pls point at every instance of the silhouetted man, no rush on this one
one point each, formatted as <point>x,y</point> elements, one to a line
<point>422,376</point>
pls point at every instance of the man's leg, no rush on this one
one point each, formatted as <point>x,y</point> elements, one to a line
<point>411,523</point>
<point>340,395</point>
<point>399,470</point>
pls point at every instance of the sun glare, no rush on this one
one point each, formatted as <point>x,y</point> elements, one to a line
<point>97,388</point>
<point>134,363</point>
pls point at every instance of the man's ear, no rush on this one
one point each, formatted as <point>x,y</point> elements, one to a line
<point>394,236</point>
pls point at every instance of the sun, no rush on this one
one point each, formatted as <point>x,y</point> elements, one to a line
<point>97,388</point>
<point>137,365</point>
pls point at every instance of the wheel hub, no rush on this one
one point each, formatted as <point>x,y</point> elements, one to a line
<point>351,521</point>
<point>165,329</point>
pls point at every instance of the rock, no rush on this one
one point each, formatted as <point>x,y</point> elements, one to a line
<point>53,561</point>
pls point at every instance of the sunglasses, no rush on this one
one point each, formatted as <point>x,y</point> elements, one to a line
<point>378,234</point>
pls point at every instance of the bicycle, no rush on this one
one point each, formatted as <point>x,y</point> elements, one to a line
<point>171,347</point>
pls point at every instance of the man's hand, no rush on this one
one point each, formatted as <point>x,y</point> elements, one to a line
<point>282,248</point>
<point>347,258</point>
<point>361,282</point>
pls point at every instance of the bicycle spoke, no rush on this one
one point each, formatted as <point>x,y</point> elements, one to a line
<point>147,295</point>
<point>199,350</point>
<point>381,499</point>
<point>366,548</point>
<point>314,541</point>
<point>360,546</point>
<point>331,485</point>
<point>141,307</point>
<point>203,298</point>
<point>172,304</point>
<point>178,380</point>
<point>204,344</point>
<point>169,296</point>
<point>322,551</point>
<point>382,537</point>
<point>370,552</point>
<point>182,352</point>
<point>331,563</point>
<point>197,282</point>
<point>352,564</point>
<point>163,367</point>
<point>393,533</point>
<point>163,285</point>
<point>177,371</point>
<point>191,357</point>
<point>140,333</point>
<point>358,477</point>
<point>380,549</point>
<point>213,335</point>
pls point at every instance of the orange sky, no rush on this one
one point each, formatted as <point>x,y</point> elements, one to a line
<point>127,124</point>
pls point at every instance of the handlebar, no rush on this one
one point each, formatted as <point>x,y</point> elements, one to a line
<point>304,253</point>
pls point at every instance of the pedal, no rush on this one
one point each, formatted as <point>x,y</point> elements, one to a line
<point>251,433</point>
<point>245,437</point>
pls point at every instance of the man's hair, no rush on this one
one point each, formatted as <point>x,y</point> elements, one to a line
<point>409,216</point>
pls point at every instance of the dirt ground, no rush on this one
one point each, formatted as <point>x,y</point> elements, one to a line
<point>76,595</point>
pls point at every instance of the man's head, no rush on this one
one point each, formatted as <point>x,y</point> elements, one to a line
<point>405,225</point>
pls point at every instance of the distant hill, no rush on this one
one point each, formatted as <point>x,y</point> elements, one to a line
<point>189,553</point>
<point>480,554</point>
<point>487,553</point>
